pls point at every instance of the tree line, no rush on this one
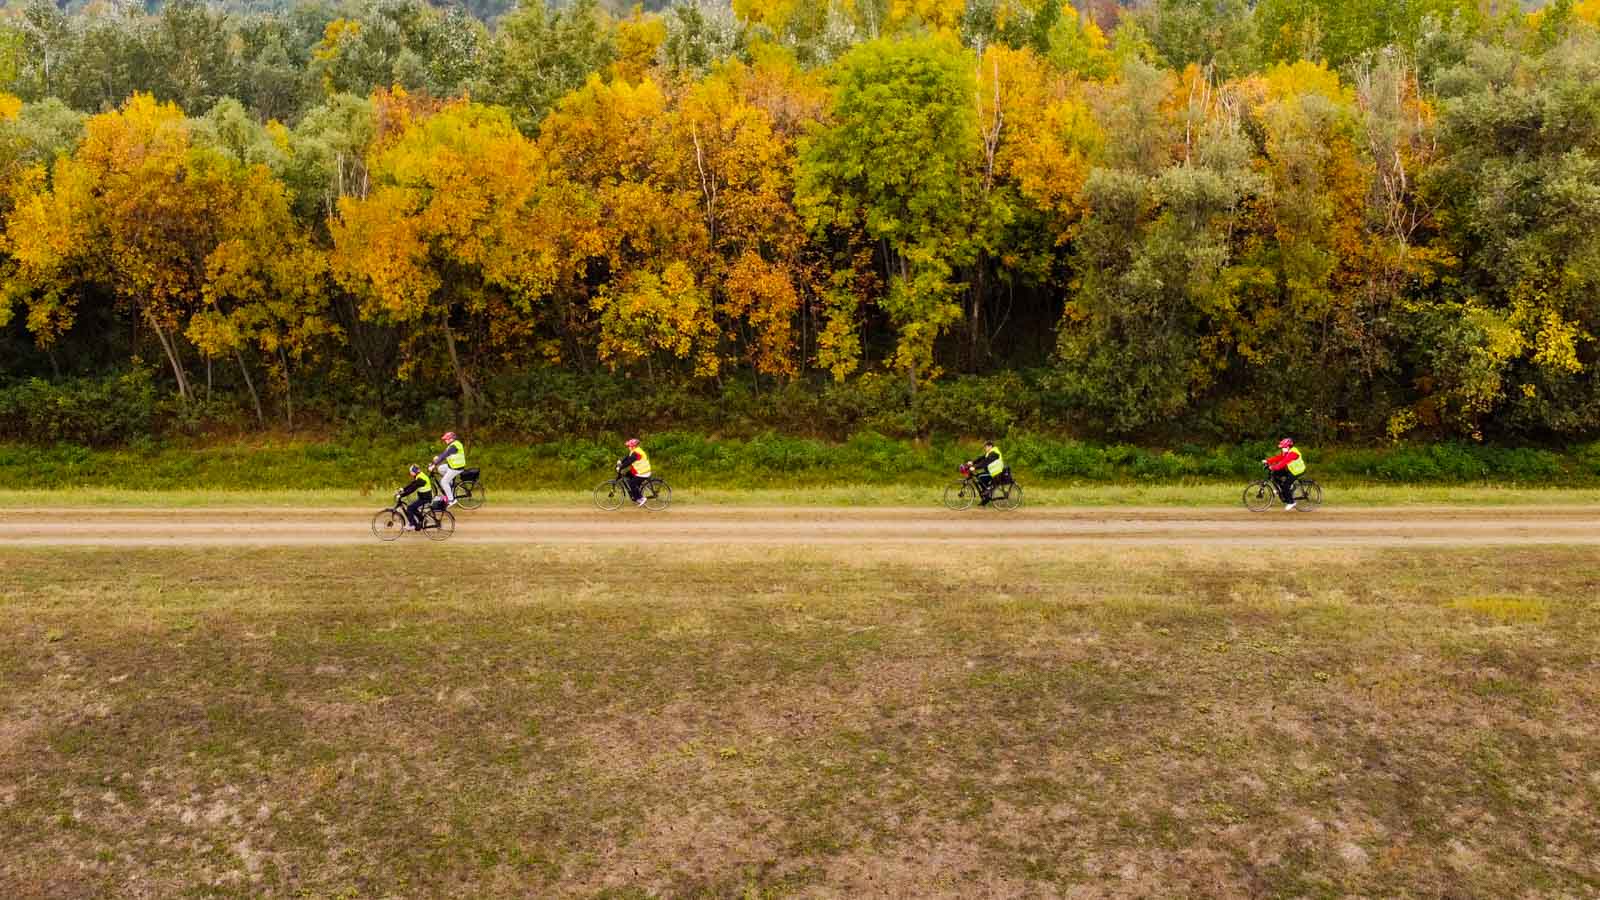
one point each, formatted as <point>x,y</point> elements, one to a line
<point>1350,220</point>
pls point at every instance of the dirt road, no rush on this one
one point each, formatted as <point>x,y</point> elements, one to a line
<point>800,526</point>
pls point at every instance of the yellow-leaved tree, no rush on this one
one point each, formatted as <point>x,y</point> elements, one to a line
<point>134,213</point>
<point>614,142</point>
<point>1306,318</point>
<point>464,231</point>
<point>266,287</point>
<point>17,179</point>
<point>740,163</point>
<point>1038,132</point>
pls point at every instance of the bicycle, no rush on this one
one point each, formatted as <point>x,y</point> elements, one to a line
<point>469,491</point>
<point>609,495</point>
<point>1260,496</point>
<point>1004,492</point>
<point>437,522</point>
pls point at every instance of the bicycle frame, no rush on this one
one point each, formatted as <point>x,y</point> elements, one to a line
<point>455,483</point>
<point>423,513</point>
<point>1272,479</point>
<point>995,487</point>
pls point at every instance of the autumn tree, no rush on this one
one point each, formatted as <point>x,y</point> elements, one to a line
<point>891,164</point>
<point>1515,187</point>
<point>738,158</point>
<point>1035,138</point>
<point>816,32</point>
<point>1215,34</point>
<point>1011,23</point>
<point>406,43</point>
<point>133,213</point>
<point>700,34</point>
<point>541,53</point>
<point>441,244</point>
<point>1306,325</point>
<point>1138,340</point>
<point>615,141</point>
<point>266,281</point>
<point>1340,33</point>
<point>32,137</point>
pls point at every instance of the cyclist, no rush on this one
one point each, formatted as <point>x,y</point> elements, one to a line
<point>987,467</point>
<point>422,483</point>
<point>454,458</point>
<point>635,471</point>
<point>1289,464</point>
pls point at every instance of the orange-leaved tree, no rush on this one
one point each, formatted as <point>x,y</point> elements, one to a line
<point>739,161</point>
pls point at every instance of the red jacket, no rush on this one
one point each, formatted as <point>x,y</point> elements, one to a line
<point>1281,461</point>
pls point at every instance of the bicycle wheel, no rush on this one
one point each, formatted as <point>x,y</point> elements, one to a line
<point>657,495</point>
<point>439,524</point>
<point>1307,495</point>
<point>470,495</point>
<point>388,524</point>
<point>609,495</point>
<point>1007,497</point>
<point>959,495</point>
<point>1260,496</point>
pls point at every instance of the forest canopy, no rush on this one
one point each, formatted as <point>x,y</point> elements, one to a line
<point>1351,220</point>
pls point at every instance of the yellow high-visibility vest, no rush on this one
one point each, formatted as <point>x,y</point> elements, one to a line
<point>1297,466</point>
<point>999,464</point>
<point>641,466</point>
<point>458,455</point>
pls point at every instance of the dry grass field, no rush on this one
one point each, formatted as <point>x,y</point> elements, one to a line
<point>505,720</point>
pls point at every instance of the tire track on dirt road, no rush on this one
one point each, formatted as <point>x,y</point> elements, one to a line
<point>803,526</point>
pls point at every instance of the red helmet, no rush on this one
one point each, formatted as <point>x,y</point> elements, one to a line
<point>1286,443</point>
<point>447,437</point>
<point>632,443</point>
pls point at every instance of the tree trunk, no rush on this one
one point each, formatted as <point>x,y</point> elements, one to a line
<point>572,344</point>
<point>805,315</point>
<point>261,417</point>
<point>468,395</point>
<point>55,365</point>
<point>975,324</point>
<point>288,396</point>
<point>169,347</point>
<point>708,187</point>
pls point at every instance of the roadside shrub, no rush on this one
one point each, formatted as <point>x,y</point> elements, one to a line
<point>796,408</point>
<point>1521,463</point>
<point>784,455</point>
<point>881,403</point>
<point>974,407</point>
<point>584,454</point>
<point>874,452</point>
<point>97,412</point>
<point>1058,459</point>
<point>1455,462</point>
<point>1588,457</point>
<point>693,451</point>
<point>1163,466</point>
<point>1223,462</point>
